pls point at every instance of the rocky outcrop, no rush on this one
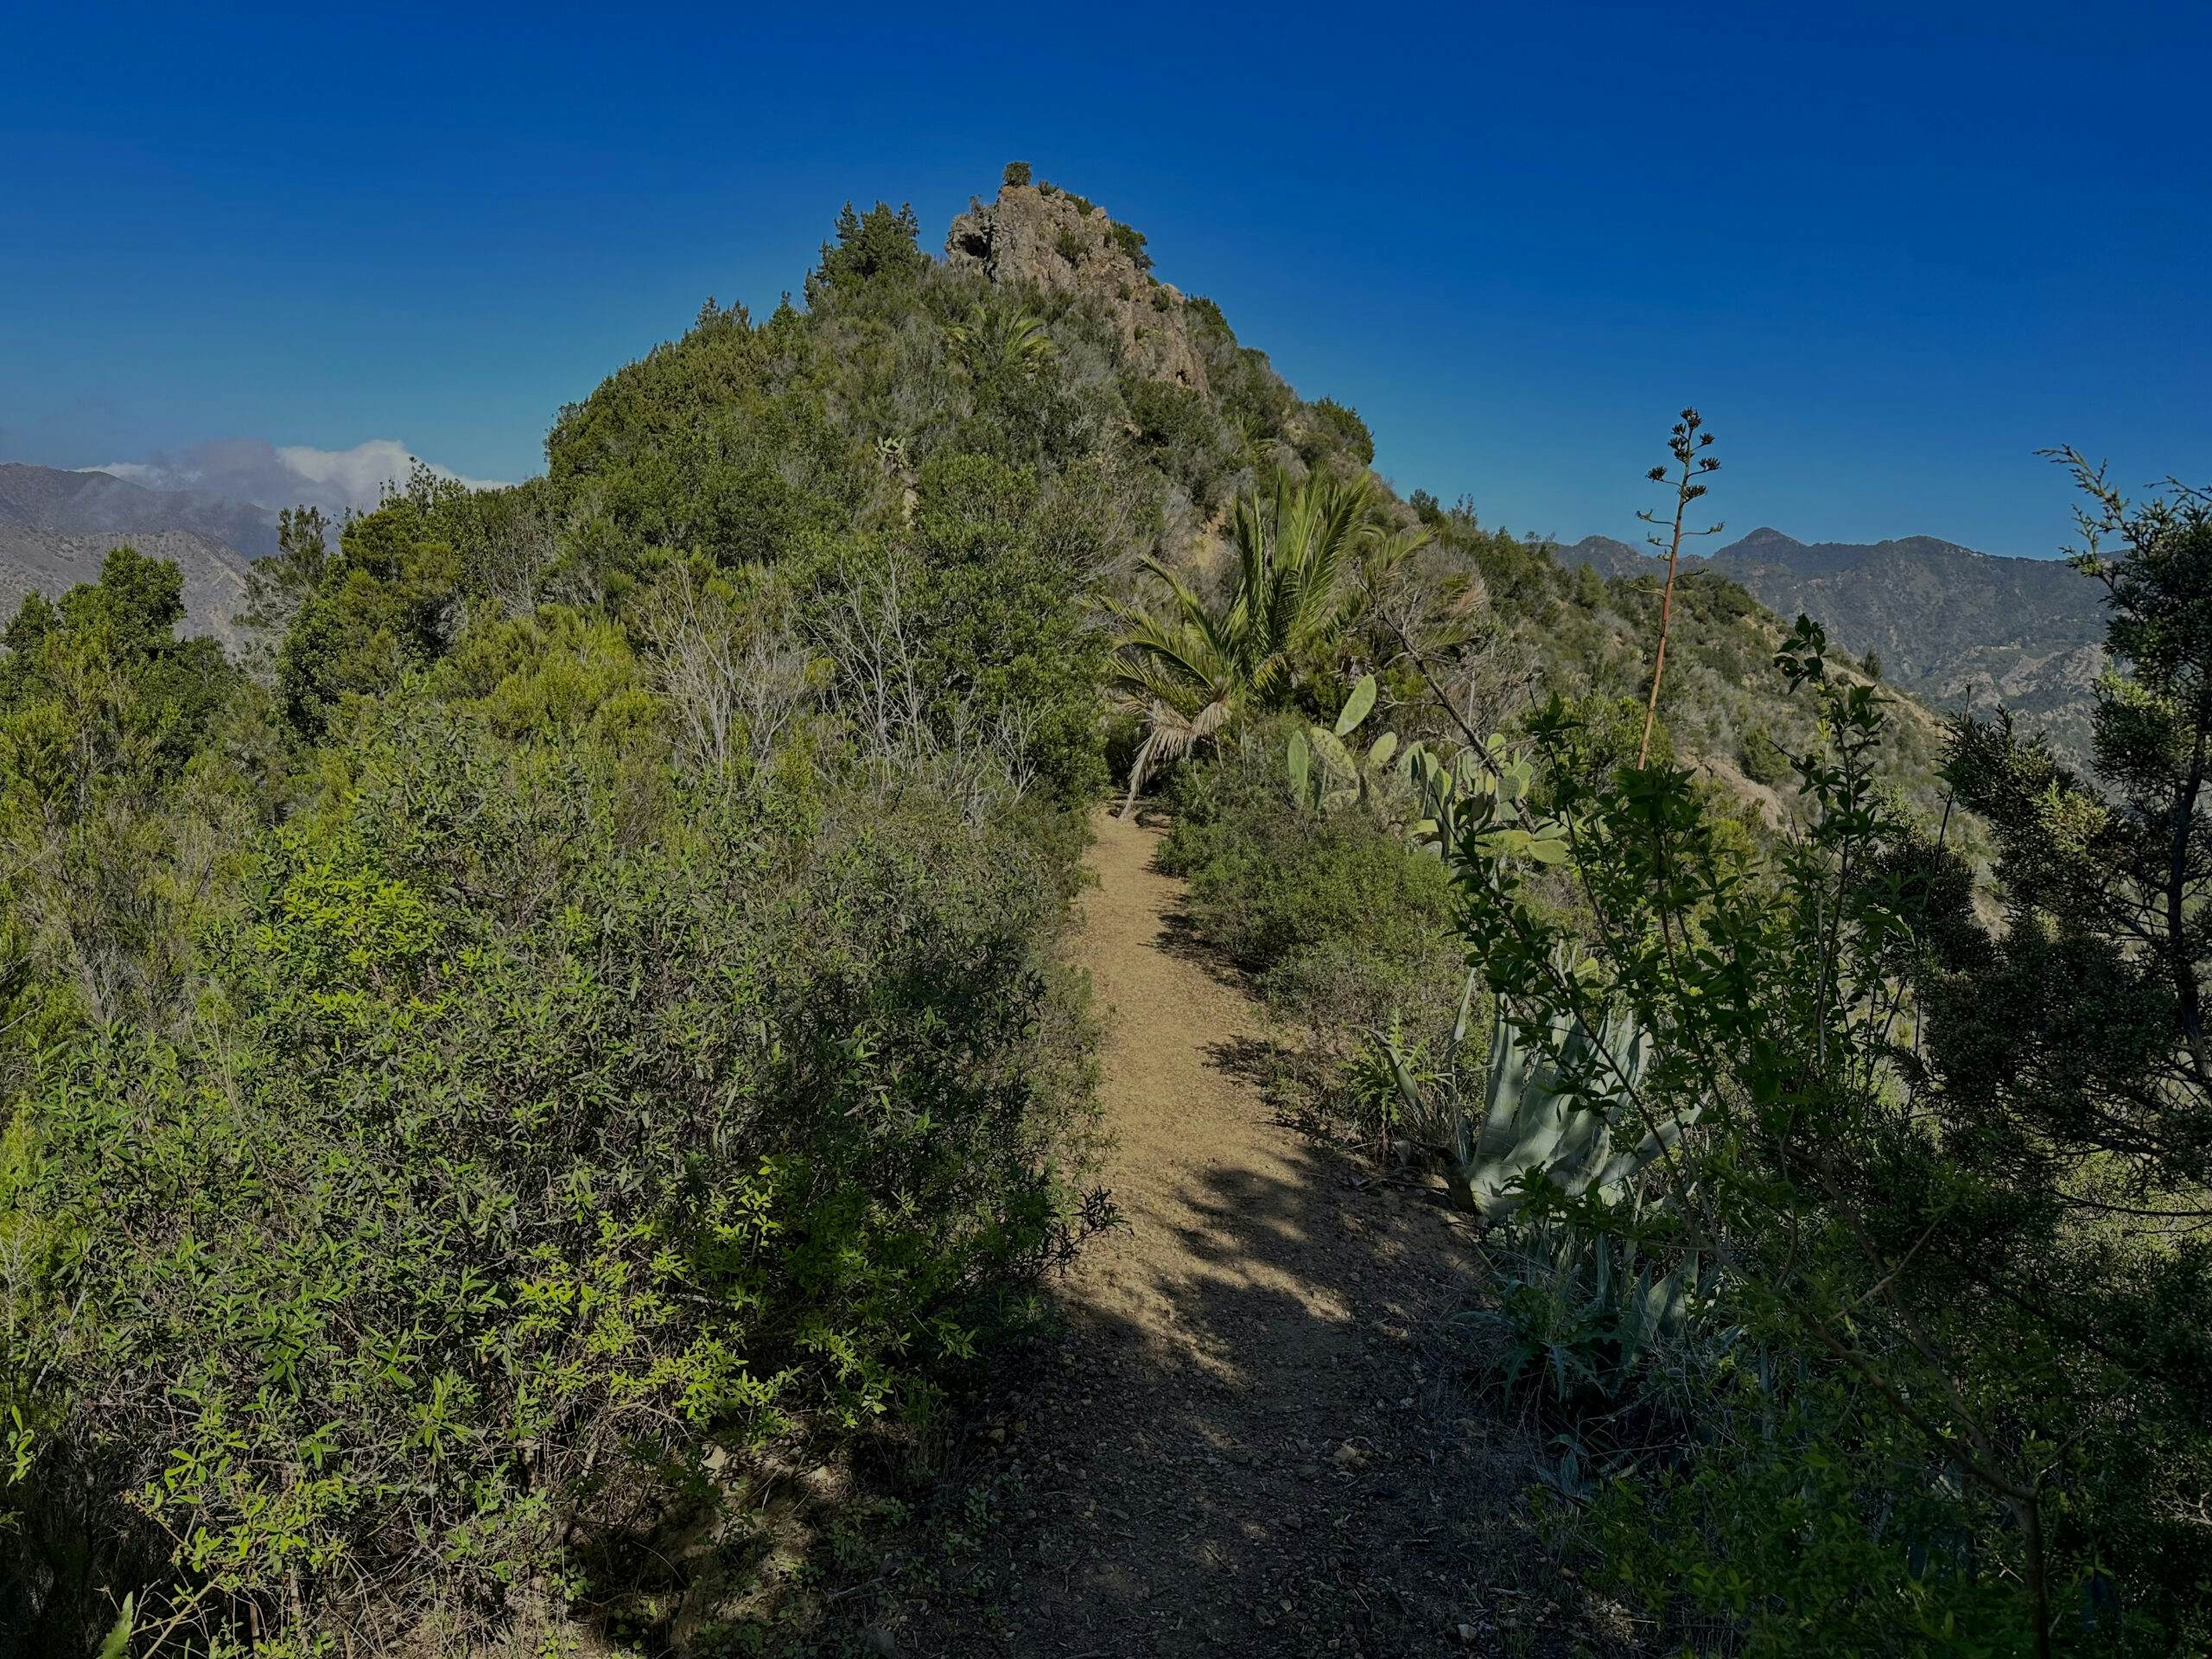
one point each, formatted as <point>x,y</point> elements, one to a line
<point>1043,237</point>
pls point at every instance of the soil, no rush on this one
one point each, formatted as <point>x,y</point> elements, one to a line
<point>1263,1430</point>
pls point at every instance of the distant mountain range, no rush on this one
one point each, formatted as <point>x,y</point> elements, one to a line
<point>57,526</point>
<point>1957,628</point>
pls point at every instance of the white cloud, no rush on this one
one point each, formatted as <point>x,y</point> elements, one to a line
<point>363,470</point>
<point>252,469</point>
<point>138,472</point>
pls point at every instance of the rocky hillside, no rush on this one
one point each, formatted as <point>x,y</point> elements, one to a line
<point>1959,628</point>
<point>1044,237</point>
<point>57,526</point>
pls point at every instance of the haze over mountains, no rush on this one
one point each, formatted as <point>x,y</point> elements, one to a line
<point>57,526</point>
<point>210,508</point>
<point>1957,628</point>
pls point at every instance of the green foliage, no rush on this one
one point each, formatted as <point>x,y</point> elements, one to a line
<point>98,684</point>
<point>1762,760</point>
<point>1016,175</point>
<point>999,600</point>
<point>1769,1546</point>
<point>1341,429</point>
<point>1199,673</point>
<point>515,1151</point>
<point>1130,240</point>
<point>105,715</point>
<point>1874,1437</point>
<point>385,604</point>
<point>1582,1324</point>
<point>879,243</point>
<point>1554,1112</point>
<point>587,1002</point>
<point>1174,420</point>
<point>1340,922</point>
<point>1002,340</point>
<point>276,586</point>
<point>1326,771</point>
<point>609,1013</point>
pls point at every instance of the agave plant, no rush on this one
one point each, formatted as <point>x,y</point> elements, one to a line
<point>1557,1109</point>
<point>1201,669</point>
<point>1554,1112</point>
<point>1580,1311</point>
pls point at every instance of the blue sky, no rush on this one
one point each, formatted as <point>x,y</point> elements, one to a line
<point>1888,250</point>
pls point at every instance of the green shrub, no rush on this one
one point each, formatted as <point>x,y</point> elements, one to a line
<point>1016,175</point>
<point>1130,240</point>
<point>877,243</point>
<point>1762,760</point>
<point>1177,426</point>
<point>1872,1441</point>
<point>1338,920</point>
<point>518,1157</point>
<point>1340,428</point>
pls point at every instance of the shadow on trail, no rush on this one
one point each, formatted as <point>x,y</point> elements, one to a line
<point>1179,938</point>
<point>1257,1061</point>
<point>1265,1427</point>
<point>1297,1456</point>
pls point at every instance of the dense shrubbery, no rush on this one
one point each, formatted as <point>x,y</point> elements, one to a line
<point>1910,1249</point>
<point>1849,1250</point>
<point>516,1145</point>
<point>1340,923</point>
<point>1340,427</point>
<point>593,1011</point>
<point>588,1008</point>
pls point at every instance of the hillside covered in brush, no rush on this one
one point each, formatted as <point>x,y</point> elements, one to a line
<point>573,1038</point>
<point>1044,341</point>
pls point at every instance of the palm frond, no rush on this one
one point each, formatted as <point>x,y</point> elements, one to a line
<point>1197,672</point>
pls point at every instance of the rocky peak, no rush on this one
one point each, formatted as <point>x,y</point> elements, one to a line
<point>1764,543</point>
<point>1037,234</point>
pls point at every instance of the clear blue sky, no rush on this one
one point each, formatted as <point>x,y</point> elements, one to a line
<point>1889,251</point>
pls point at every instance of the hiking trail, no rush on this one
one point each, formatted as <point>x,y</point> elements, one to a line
<point>1256,1437</point>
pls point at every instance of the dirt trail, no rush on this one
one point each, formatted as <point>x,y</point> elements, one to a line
<point>1255,1439</point>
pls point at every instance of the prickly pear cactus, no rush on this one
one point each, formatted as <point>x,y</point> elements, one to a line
<point>1326,771</point>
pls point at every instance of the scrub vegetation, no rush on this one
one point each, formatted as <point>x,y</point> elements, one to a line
<point>576,1028</point>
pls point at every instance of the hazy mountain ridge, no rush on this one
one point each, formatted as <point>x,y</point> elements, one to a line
<point>1957,627</point>
<point>100,503</point>
<point>57,526</point>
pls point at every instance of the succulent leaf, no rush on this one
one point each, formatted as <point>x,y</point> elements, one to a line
<point>1356,705</point>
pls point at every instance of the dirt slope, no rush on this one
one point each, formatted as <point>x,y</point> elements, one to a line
<point>1255,1439</point>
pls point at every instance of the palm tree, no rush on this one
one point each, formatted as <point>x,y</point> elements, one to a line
<point>1002,338</point>
<point>1199,671</point>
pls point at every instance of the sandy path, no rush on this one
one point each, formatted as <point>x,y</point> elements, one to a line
<point>1245,1446</point>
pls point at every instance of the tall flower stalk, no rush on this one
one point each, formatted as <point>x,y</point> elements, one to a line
<point>1687,445</point>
